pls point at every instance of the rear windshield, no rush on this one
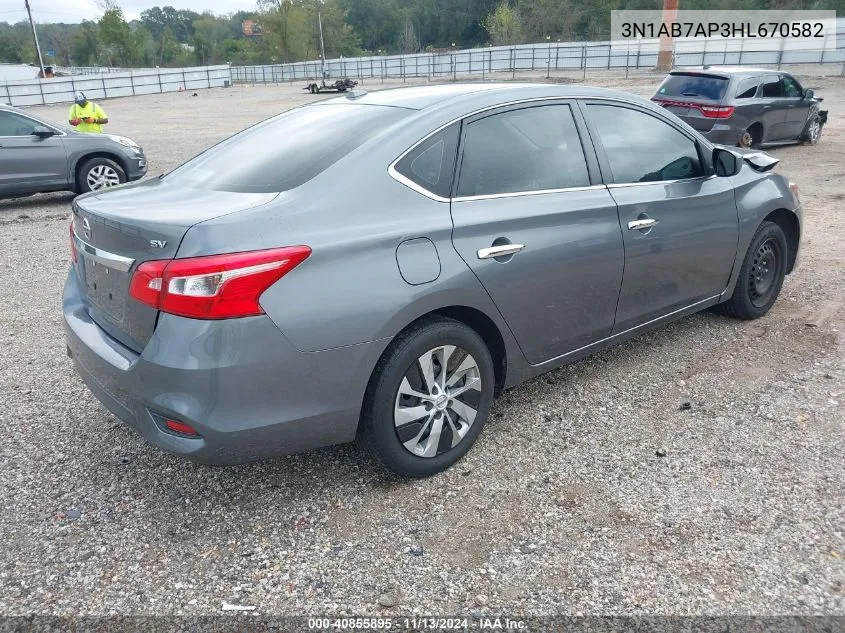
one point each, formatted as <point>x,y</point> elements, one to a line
<point>286,151</point>
<point>692,85</point>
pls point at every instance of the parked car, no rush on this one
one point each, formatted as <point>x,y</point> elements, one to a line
<point>37,156</point>
<point>380,266</point>
<point>748,107</point>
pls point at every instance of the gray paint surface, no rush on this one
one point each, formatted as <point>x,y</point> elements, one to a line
<point>295,378</point>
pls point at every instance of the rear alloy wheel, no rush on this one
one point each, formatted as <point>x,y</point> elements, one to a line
<point>761,275</point>
<point>429,398</point>
<point>100,173</point>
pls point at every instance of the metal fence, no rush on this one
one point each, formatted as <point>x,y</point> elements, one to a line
<point>93,70</point>
<point>125,83</point>
<point>562,57</point>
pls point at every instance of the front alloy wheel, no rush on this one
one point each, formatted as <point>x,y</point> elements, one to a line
<point>437,401</point>
<point>102,176</point>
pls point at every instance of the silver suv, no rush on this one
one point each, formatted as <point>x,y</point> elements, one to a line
<point>749,107</point>
<point>36,156</point>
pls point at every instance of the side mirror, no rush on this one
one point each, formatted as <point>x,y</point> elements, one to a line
<point>809,94</point>
<point>43,132</point>
<point>726,162</point>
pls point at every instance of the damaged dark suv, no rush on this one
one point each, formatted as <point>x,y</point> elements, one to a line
<point>748,107</point>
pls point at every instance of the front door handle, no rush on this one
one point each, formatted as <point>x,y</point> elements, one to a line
<point>639,225</point>
<point>499,251</point>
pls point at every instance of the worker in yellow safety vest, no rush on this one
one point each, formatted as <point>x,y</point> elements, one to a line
<point>86,116</point>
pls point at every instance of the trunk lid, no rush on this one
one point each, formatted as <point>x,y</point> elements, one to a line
<point>117,230</point>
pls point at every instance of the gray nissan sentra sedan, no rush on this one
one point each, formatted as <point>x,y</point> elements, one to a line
<point>380,265</point>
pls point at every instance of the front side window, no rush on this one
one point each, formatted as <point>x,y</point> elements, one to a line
<point>643,148</point>
<point>431,164</point>
<point>286,151</point>
<point>791,88</point>
<point>747,88</point>
<point>531,149</point>
<point>772,87</point>
<point>12,124</point>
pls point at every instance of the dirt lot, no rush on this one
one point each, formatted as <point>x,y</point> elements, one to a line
<point>562,507</point>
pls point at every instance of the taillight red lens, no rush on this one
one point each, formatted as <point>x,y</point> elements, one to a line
<point>146,282</point>
<point>214,287</point>
<point>73,254</point>
<point>181,428</point>
<point>717,112</point>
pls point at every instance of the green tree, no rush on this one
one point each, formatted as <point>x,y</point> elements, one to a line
<point>85,44</point>
<point>503,25</point>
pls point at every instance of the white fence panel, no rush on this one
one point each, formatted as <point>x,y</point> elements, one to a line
<point>114,83</point>
<point>558,56</point>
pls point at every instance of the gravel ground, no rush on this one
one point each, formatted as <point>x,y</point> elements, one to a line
<point>699,469</point>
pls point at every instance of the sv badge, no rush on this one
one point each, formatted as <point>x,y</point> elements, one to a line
<point>158,243</point>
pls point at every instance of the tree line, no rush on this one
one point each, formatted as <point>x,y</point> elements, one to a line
<point>288,30</point>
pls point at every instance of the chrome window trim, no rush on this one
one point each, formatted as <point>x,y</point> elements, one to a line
<point>110,260</point>
<point>628,331</point>
<point>515,194</point>
<point>391,170</point>
<point>660,182</point>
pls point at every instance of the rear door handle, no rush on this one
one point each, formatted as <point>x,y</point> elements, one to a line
<point>639,225</point>
<point>499,251</point>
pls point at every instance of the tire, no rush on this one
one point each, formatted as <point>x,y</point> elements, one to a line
<point>110,175</point>
<point>761,276</point>
<point>397,428</point>
<point>751,137</point>
<point>812,131</point>
<point>313,89</point>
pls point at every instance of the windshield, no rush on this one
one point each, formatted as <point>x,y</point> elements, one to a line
<point>693,85</point>
<point>286,151</point>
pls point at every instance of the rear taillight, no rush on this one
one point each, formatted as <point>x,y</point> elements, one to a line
<point>794,189</point>
<point>214,287</point>
<point>717,112</point>
<point>73,254</point>
<point>711,112</point>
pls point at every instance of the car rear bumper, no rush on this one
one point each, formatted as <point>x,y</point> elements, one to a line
<point>722,134</point>
<point>245,389</point>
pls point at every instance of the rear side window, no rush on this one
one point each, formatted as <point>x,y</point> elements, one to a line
<point>288,150</point>
<point>772,87</point>
<point>694,85</point>
<point>643,148</point>
<point>431,164</point>
<point>12,124</point>
<point>530,149</point>
<point>747,88</point>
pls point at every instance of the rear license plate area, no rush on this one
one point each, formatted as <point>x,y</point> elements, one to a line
<point>105,287</point>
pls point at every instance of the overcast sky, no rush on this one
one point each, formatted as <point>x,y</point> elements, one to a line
<point>78,10</point>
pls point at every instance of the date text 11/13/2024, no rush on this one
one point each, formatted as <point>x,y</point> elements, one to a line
<point>417,624</point>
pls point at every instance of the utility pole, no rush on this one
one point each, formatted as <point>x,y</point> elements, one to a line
<point>35,37</point>
<point>667,43</point>
<point>322,47</point>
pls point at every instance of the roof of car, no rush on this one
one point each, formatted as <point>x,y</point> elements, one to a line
<point>421,97</point>
<point>726,71</point>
